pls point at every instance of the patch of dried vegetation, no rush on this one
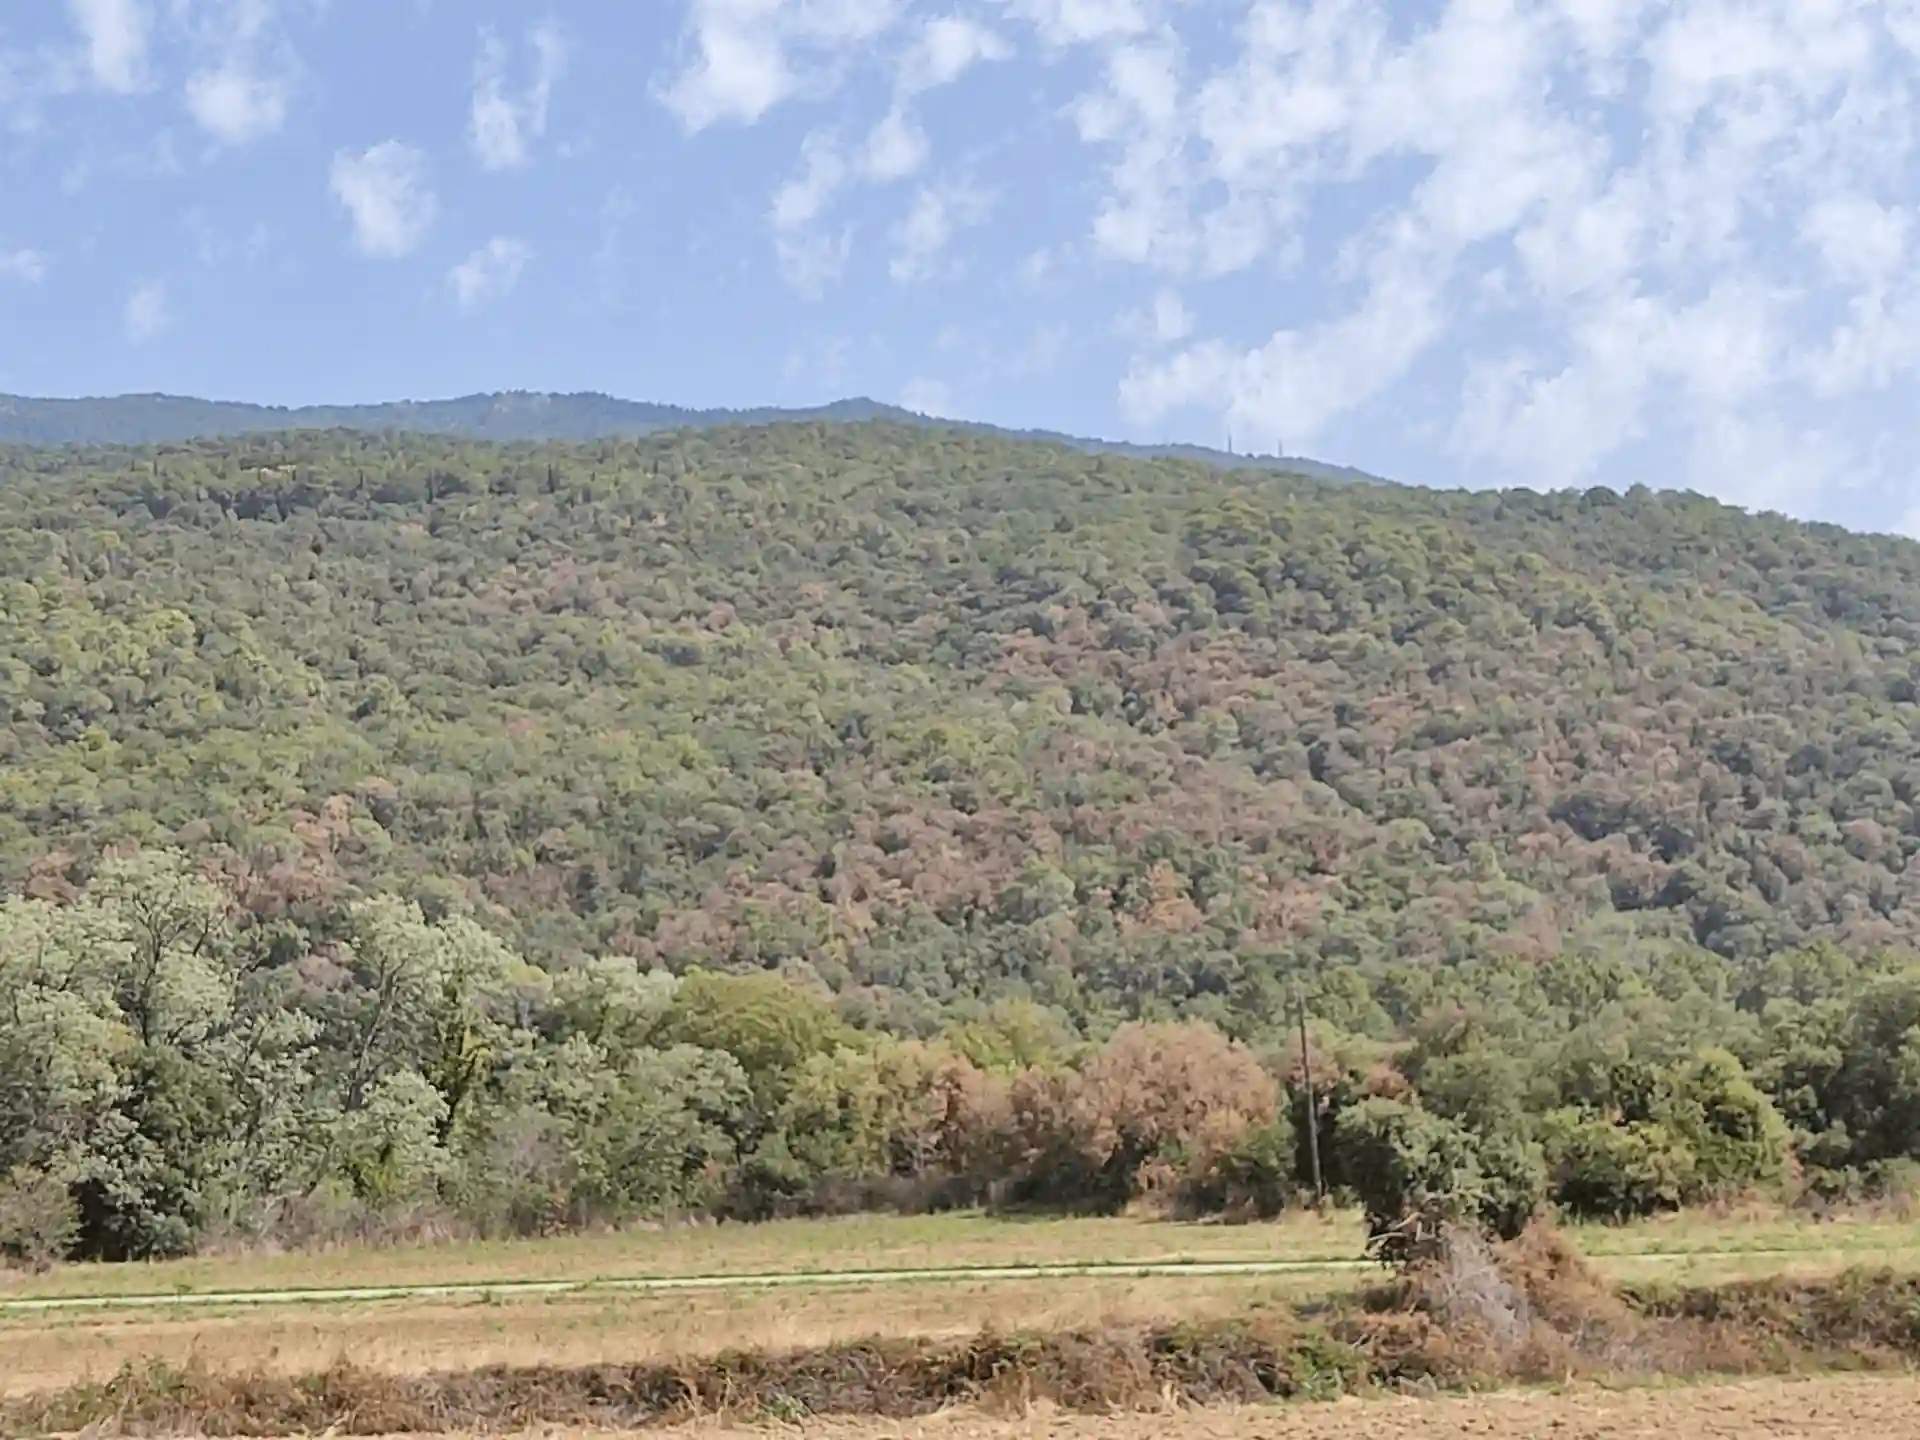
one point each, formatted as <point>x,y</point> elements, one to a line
<point>1466,1315</point>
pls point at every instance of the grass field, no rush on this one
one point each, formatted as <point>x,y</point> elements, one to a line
<point>422,1334</point>
<point>857,1243</point>
<point>1681,1245</point>
<point>418,1339</point>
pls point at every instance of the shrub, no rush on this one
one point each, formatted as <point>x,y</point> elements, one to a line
<point>1605,1171</point>
<point>1417,1173</point>
<point>39,1222</point>
<point>1738,1138</point>
<point>1152,1101</point>
<point>1251,1178</point>
<point>1702,1131</point>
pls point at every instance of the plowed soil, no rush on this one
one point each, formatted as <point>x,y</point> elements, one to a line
<point>1882,1408</point>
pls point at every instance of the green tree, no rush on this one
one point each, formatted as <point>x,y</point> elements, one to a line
<point>1604,1170</point>
<point>1416,1172</point>
<point>433,999</point>
<point>767,1024</point>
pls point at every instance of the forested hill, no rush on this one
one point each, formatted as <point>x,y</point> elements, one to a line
<point>934,717</point>
<point>513,417</point>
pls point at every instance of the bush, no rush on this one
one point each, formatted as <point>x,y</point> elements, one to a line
<point>1676,1137</point>
<point>1251,1179</point>
<point>1604,1171</point>
<point>1736,1135</point>
<point>1515,1170</point>
<point>1416,1174</point>
<point>39,1222</point>
<point>1895,1186</point>
<point>1147,1105</point>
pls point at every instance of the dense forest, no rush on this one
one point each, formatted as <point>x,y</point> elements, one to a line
<point>815,815</point>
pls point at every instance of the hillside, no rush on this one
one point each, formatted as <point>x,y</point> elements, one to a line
<point>512,417</point>
<point>941,715</point>
<point>396,822</point>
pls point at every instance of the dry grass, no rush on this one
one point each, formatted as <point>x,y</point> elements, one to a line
<point>45,1352</point>
<point>1471,1317</point>
<point>51,1352</point>
<point>782,1247</point>
<point>1716,1246</point>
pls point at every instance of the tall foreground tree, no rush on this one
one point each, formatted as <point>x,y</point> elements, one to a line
<point>143,1065</point>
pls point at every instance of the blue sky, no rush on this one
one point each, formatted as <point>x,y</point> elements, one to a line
<point>1543,242</point>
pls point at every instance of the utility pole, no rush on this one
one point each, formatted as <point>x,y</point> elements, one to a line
<point>1313,1104</point>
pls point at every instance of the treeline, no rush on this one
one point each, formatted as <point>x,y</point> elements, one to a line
<point>176,1071</point>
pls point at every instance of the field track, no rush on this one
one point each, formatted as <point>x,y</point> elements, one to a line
<point>798,1280</point>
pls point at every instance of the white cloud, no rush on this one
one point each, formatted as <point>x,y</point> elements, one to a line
<point>1082,22</point>
<point>1861,241</point>
<point>503,125</point>
<point>1143,219</point>
<point>750,55</point>
<point>490,273</point>
<point>811,258</point>
<point>804,198</point>
<point>28,267</point>
<point>754,54</point>
<point>146,313</point>
<point>812,262</point>
<point>609,269</point>
<point>116,34</point>
<point>921,239</point>
<point>218,247</point>
<point>242,92</point>
<point>1300,380</point>
<point>895,149</point>
<point>1172,321</point>
<point>1475,189</point>
<point>386,193</point>
<point>1631,359</point>
<point>946,48</point>
<point>236,106</point>
<point>1039,266</point>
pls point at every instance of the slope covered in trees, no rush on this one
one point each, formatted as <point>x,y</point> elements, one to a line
<point>415,769</point>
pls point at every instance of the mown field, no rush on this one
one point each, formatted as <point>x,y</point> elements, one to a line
<point>1692,1244</point>
<point>816,1303</point>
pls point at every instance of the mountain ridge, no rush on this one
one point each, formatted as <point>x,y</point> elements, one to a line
<point>154,418</point>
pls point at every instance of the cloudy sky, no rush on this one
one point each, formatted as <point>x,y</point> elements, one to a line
<point>1545,242</point>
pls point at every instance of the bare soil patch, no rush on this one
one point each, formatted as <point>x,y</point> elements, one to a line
<point>1884,1408</point>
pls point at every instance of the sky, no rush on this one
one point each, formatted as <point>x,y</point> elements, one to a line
<point>1535,242</point>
